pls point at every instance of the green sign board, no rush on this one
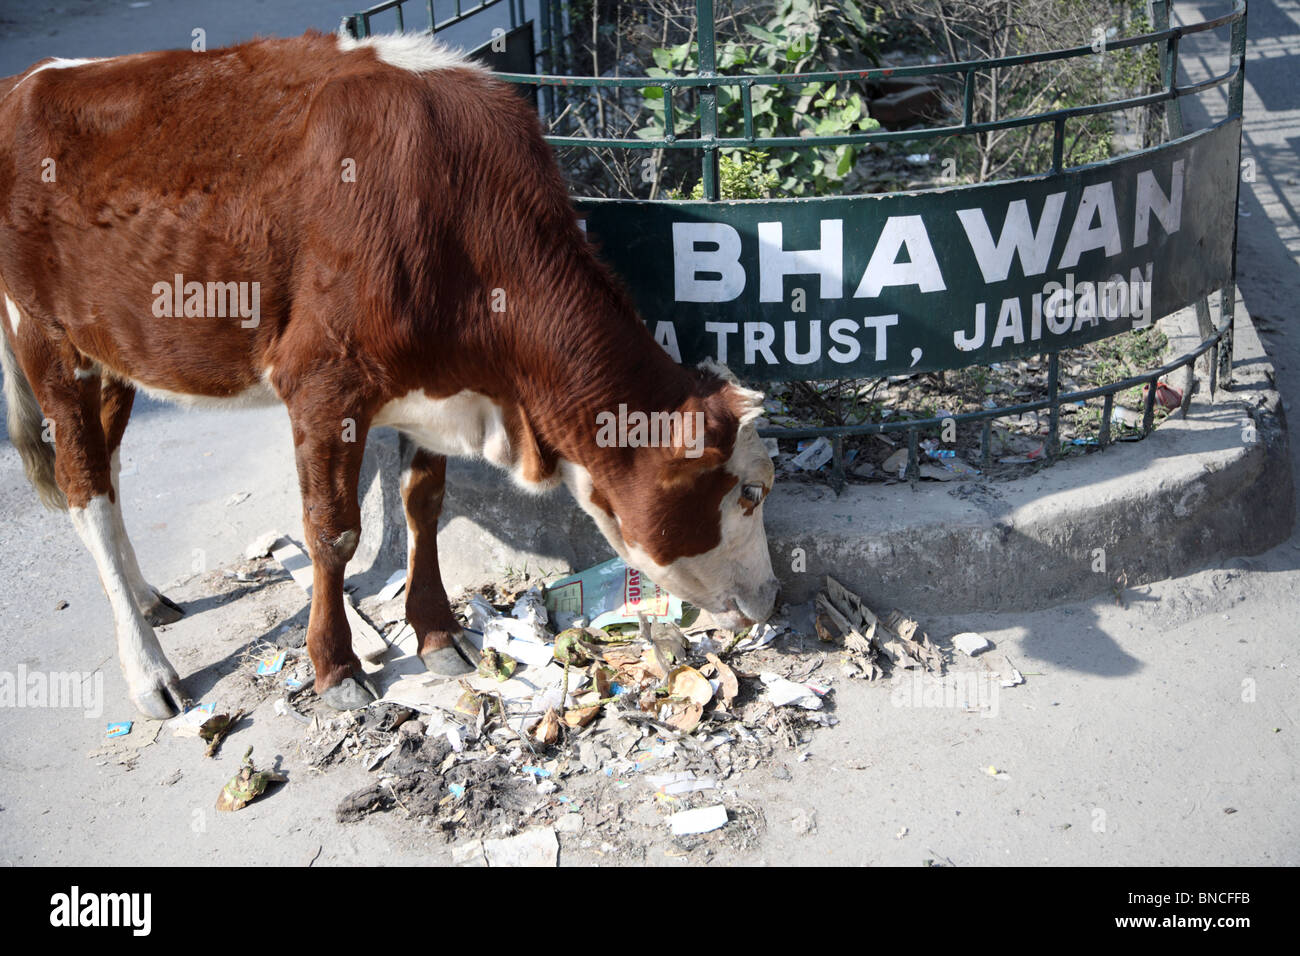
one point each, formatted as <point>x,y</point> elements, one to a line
<point>865,286</point>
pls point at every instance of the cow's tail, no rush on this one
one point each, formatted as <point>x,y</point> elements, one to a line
<point>26,430</point>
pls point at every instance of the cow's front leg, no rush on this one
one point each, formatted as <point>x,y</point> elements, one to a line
<point>427,608</point>
<point>328,446</point>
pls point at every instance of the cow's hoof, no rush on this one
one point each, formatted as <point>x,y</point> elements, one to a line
<point>162,610</point>
<point>446,662</point>
<point>350,694</point>
<point>161,700</point>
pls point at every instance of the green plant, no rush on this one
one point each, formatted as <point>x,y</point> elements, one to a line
<point>800,36</point>
<point>742,174</point>
<point>1127,354</point>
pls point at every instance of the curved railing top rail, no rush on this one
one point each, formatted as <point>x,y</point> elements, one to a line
<point>876,73</point>
<point>708,81</point>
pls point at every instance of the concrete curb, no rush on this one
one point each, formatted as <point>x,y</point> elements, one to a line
<point>1194,491</point>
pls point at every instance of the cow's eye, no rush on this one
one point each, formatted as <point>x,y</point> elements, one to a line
<point>752,493</point>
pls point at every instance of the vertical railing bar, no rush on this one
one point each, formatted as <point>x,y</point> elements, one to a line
<point>1058,143</point>
<point>837,463</point>
<point>1107,410</point>
<point>1237,85</point>
<point>1169,75</point>
<point>1168,67</point>
<point>913,473</point>
<point>1173,70</point>
<point>1227,315</point>
<point>1149,405</point>
<point>747,105</point>
<point>1168,79</point>
<point>670,117</point>
<point>708,96</point>
<point>1159,13</point>
<point>1228,295</point>
<point>986,444</point>
<point>1175,104</point>
<point>968,97</point>
<point>1204,324</point>
<point>1054,404</point>
<point>548,54</point>
<point>1214,368</point>
<point>401,21</point>
<point>428,6</point>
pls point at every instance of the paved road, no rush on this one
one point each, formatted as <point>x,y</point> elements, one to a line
<point>76,28</point>
<point>1138,730</point>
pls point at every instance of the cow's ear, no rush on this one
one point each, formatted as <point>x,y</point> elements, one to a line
<point>746,404</point>
<point>705,426</point>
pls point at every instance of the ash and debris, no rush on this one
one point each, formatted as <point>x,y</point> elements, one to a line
<point>640,738</point>
<point>653,738</point>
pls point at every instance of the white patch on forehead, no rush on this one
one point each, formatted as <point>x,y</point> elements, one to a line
<point>411,51</point>
<point>739,566</point>
<point>14,317</point>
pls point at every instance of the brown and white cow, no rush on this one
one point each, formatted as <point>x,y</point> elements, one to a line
<point>373,233</point>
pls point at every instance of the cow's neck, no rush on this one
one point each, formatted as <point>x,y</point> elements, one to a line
<point>523,387</point>
<point>598,357</point>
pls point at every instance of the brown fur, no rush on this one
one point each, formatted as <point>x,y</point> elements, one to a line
<point>226,166</point>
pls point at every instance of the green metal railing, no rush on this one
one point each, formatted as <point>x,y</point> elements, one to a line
<point>1216,341</point>
<point>707,82</point>
<point>362,24</point>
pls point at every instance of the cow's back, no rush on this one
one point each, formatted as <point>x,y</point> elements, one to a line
<point>348,189</point>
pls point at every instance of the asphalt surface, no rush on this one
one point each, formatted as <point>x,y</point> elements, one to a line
<point>1159,732</point>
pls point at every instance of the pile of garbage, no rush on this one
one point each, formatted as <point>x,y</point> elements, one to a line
<point>602,679</point>
<point>600,704</point>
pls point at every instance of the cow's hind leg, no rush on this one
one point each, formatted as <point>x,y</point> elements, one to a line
<point>328,446</point>
<point>116,399</point>
<point>427,608</point>
<point>69,393</point>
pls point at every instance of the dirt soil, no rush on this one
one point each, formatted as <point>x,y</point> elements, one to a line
<point>1019,441</point>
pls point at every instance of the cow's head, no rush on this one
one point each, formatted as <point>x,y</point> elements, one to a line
<point>689,512</point>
